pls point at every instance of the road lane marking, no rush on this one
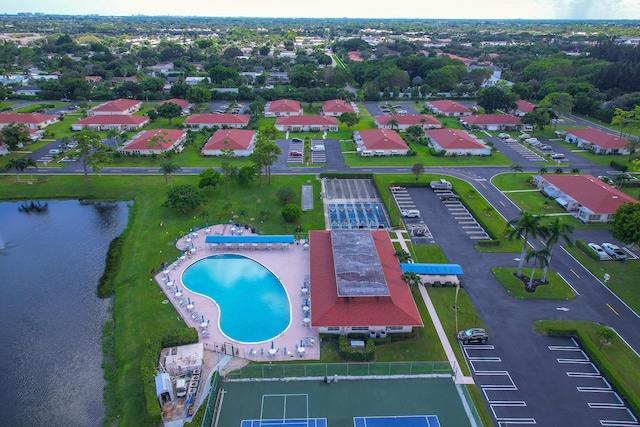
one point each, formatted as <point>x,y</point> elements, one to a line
<point>502,203</point>
<point>577,275</point>
<point>613,309</point>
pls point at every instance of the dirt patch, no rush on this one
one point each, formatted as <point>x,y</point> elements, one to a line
<point>525,281</point>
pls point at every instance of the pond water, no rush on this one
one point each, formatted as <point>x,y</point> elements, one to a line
<point>50,264</point>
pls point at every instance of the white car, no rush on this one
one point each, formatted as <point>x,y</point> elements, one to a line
<point>558,156</point>
<point>598,249</point>
<point>614,251</point>
<point>545,148</point>
<point>531,140</point>
<point>510,140</point>
<point>317,148</point>
<point>503,136</point>
<point>411,213</point>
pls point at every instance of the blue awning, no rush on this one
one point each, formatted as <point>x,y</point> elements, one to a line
<point>250,239</point>
<point>435,269</point>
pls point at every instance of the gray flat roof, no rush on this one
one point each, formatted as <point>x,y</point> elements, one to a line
<point>358,269</point>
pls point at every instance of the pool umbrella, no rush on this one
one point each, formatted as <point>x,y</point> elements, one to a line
<point>271,345</point>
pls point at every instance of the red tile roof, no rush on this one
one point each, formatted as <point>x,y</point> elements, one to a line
<point>590,192</point>
<point>26,118</point>
<point>381,139</point>
<point>183,103</point>
<point>599,138</point>
<point>143,141</point>
<point>217,119</point>
<point>306,121</point>
<point>117,105</point>
<point>284,105</point>
<point>448,106</point>
<point>409,119</point>
<point>329,310</point>
<point>451,139</point>
<point>492,119</point>
<point>354,55</point>
<point>239,139</point>
<point>525,106</point>
<point>115,119</point>
<point>337,106</point>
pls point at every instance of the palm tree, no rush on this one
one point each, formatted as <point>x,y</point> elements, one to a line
<point>543,170</point>
<point>16,164</point>
<point>402,255</point>
<point>516,168</point>
<point>539,256</point>
<point>412,279</point>
<point>575,170</point>
<point>29,164</point>
<point>557,230</point>
<point>558,171</point>
<point>393,124</point>
<point>527,225</point>
<point>112,133</point>
<point>620,179</point>
<point>168,167</point>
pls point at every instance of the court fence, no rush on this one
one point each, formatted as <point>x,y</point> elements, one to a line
<point>212,408</point>
<point>388,369</point>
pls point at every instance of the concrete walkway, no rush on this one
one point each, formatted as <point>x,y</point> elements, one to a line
<point>451,357</point>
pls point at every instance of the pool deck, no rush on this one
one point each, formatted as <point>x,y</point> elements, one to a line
<point>289,264</point>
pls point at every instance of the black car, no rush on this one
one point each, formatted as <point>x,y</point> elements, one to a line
<point>296,140</point>
<point>473,335</point>
<point>449,197</point>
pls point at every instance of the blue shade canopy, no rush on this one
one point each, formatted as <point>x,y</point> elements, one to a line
<point>435,269</point>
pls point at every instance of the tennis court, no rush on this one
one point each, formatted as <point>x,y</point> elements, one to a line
<point>353,402</point>
<point>345,216</point>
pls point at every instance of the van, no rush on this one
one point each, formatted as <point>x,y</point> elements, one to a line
<point>317,148</point>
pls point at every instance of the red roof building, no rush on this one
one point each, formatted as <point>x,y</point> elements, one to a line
<point>455,141</point>
<point>597,141</point>
<point>380,142</point>
<point>239,140</point>
<point>590,199</point>
<point>356,284</point>
<point>403,121</point>
<point>524,107</point>
<point>30,120</point>
<point>354,55</point>
<point>210,120</point>
<point>492,121</point>
<point>182,103</point>
<point>282,107</point>
<point>307,123</point>
<point>336,107</point>
<point>118,106</point>
<point>120,122</point>
<point>448,108</point>
<point>155,141</point>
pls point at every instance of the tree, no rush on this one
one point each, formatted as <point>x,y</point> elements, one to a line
<point>417,169</point>
<point>539,256</point>
<point>626,224</point>
<point>229,170</point>
<point>516,168</point>
<point>265,152</point>
<point>350,119</point>
<point>90,151</point>
<point>247,174</point>
<point>556,231</point>
<point>402,255</point>
<point>526,225</point>
<point>29,164</point>
<point>494,98</point>
<point>198,95</point>
<point>209,178</point>
<point>15,134</point>
<point>478,76</point>
<point>169,110</point>
<point>412,279</point>
<point>168,167</point>
<point>393,124</point>
<point>606,335</point>
<point>291,213</point>
<point>285,194</point>
<point>538,118</point>
<point>183,197</point>
<point>17,165</point>
<point>559,101</point>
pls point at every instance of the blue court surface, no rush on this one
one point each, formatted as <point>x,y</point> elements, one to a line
<point>408,421</point>
<point>311,422</point>
<point>348,216</point>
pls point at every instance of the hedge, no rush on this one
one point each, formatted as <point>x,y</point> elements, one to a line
<point>149,361</point>
<point>619,166</point>
<point>488,242</point>
<point>345,175</point>
<point>587,250</point>
<point>350,354</point>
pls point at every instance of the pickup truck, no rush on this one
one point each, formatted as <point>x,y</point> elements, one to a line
<point>440,185</point>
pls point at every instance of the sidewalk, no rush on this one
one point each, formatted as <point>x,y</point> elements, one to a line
<point>451,357</point>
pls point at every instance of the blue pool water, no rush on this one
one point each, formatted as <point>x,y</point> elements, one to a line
<point>253,304</point>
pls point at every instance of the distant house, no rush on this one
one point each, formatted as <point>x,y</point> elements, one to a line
<point>220,120</point>
<point>307,123</point>
<point>240,141</point>
<point>155,141</point>
<point>379,142</point>
<point>524,107</point>
<point>30,120</point>
<point>354,55</point>
<point>374,300</point>
<point>587,197</point>
<point>182,103</point>
<point>161,67</point>
<point>282,107</point>
<point>403,121</point>
<point>491,122</point>
<point>118,106</point>
<point>93,79</point>
<point>27,90</point>
<point>448,108</point>
<point>597,141</point>
<point>193,81</point>
<point>455,141</point>
<point>119,122</point>
<point>336,107</point>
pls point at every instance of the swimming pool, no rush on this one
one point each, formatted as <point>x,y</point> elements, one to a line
<point>254,305</point>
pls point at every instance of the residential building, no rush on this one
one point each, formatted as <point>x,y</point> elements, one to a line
<point>118,106</point>
<point>448,108</point>
<point>155,141</point>
<point>119,122</point>
<point>220,120</point>
<point>193,81</point>
<point>30,120</point>
<point>380,142</point>
<point>182,103</point>
<point>456,141</point>
<point>523,107</point>
<point>307,123</point>
<point>336,107</point>
<point>587,197</point>
<point>375,300</point>
<point>27,90</point>
<point>491,122</point>
<point>282,107</point>
<point>241,141</point>
<point>597,141</point>
<point>403,121</point>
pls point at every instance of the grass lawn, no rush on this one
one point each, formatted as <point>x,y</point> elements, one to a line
<point>556,289</point>
<point>428,254</point>
<point>509,181</point>
<point>535,203</point>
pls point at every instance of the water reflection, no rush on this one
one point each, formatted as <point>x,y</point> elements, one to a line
<point>51,319</point>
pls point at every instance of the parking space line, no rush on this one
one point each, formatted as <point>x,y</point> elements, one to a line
<point>563,348</point>
<point>508,421</point>
<point>594,390</point>
<point>579,361</point>
<point>584,374</point>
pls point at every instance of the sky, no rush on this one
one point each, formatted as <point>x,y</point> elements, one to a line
<point>428,9</point>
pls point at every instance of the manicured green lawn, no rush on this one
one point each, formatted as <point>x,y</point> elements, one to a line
<point>429,254</point>
<point>535,203</point>
<point>556,289</point>
<point>508,181</point>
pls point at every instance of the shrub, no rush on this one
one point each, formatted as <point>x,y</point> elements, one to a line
<point>348,353</point>
<point>285,194</point>
<point>489,243</point>
<point>619,166</point>
<point>587,250</point>
<point>291,213</point>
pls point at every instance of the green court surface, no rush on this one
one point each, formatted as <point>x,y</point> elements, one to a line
<point>343,401</point>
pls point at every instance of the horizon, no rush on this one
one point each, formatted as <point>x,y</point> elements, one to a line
<point>527,10</point>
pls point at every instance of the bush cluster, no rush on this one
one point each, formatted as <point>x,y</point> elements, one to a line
<point>350,354</point>
<point>587,250</point>
<point>619,166</point>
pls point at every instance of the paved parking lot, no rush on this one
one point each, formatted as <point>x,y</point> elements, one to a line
<point>416,227</point>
